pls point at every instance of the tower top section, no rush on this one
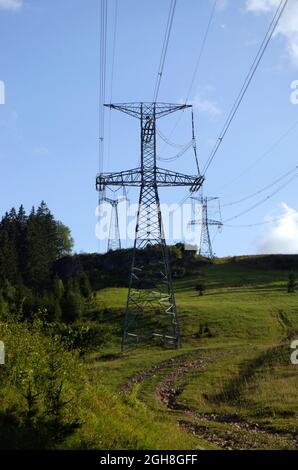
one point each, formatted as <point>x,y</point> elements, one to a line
<point>140,110</point>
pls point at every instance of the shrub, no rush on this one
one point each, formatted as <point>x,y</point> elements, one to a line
<point>40,388</point>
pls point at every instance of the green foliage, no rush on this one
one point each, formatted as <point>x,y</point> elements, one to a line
<point>292,283</point>
<point>72,305</point>
<point>205,331</point>
<point>3,306</point>
<point>58,288</point>
<point>64,240</point>
<point>83,337</point>
<point>29,248</point>
<point>84,284</point>
<point>40,388</point>
<point>201,286</point>
<point>30,245</point>
<point>48,399</point>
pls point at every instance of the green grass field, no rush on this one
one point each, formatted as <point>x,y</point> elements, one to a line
<point>230,386</point>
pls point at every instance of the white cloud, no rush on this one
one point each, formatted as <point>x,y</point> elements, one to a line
<point>261,6</point>
<point>282,236</point>
<point>288,26</point>
<point>206,106</point>
<point>10,4</point>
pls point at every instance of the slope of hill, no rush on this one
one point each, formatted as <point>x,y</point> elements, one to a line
<point>232,384</point>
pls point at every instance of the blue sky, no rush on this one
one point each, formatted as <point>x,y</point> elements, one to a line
<point>49,62</point>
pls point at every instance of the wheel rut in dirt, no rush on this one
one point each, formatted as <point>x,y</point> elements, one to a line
<point>171,386</point>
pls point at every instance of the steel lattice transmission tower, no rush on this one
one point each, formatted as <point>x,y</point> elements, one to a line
<point>114,242</point>
<point>151,311</point>
<point>205,247</point>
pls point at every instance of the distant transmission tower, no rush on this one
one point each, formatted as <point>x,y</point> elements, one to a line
<point>114,242</point>
<point>205,247</point>
<point>151,312</point>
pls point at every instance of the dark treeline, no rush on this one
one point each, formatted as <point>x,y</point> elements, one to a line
<point>112,269</point>
<point>39,272</point>
<point>30,245</point>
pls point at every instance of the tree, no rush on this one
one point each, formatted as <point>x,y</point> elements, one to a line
<point>291,283</point>
<point>3,306</point>
<point>8,252</point>
<point>21,238</point>
<point>29,248</point>
<point>58,288</point>
<point>40,250</point>
<point>47,241</point>
<point>71,305</point>
<point>84,284</point>
<point>64,241</point>
<point>200,286</point>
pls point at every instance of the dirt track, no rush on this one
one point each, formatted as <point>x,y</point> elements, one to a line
<point>239,435</point>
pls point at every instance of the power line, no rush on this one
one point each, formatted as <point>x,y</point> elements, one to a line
<point>177,156</point>
<point>198,63</point>
<point>267,222</point>
<point>194,142</point>
<point>262,201</point>
<point>247,82</point>
<point>183,148</point>
<point>201,51</point>
<point>114,47</point>
<point>280,178</point>
<point>264,155</point>
<point>102,85</point>
<point>240,97</point>
<point>164,49</point>
<point>112,73</point>
<point>169,142</point>
<point>194,145</point>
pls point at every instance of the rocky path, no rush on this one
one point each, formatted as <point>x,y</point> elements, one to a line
<point>237,434</point>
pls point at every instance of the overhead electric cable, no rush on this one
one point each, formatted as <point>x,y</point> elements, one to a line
<point>178,155</point>
<point>112,75</point>
<point>264,154</point>
<point>201,51</point>
<point>114,47</point>
<point>247,82</point>
<point>250,196</point>
<point>102,85</point>
<point>266,222</point>
<point>194,142</point>
<point>198,63</point>
<point>262,201</point>
<point>168,142</point>
<point>164,49</point>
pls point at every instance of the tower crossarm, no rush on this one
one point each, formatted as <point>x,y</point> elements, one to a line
<point>209,221</point>
<point>122,178</point>
<point>138,110</point>
<point>136,177</point>
<point>112,202</point>
<point>172,178</point>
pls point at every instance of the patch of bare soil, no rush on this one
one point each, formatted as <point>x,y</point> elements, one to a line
<point>234,438</point>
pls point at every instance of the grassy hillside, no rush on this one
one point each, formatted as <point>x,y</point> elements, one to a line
<point>231,385</point>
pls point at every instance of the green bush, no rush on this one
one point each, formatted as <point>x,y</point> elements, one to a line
<point>41,384</point>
